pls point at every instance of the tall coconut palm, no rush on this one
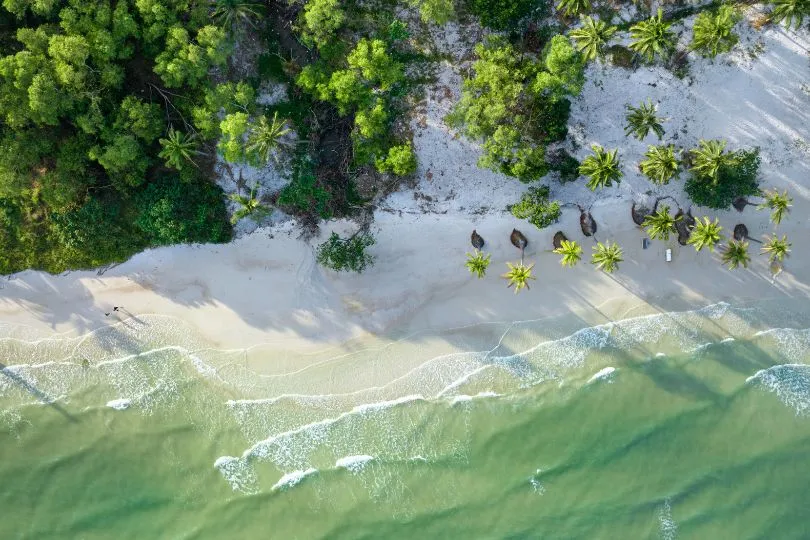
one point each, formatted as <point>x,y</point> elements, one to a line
<point>178,149</point>
<point>477,263</point>
<point>248,206</point>
<point>776,248</point>
<point>660,224</point>
<point>518,275</point>
<point>706,234</point>
<point>661,164</point>
<point>571,252</point>
<point>232,14</point>
<point>607,256</point>
<point>736,254</point>
<point>709,157</point>
<point>592,37</point>
<point>652,37</point>
<point>574,7</point>
<point>265,137</point>
<point>713,32</point>
<point>779,204</point>
<point>602,168</point>
<point>791,12</point>
<point>642,119</point>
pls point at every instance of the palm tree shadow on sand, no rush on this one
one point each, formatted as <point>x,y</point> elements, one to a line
<point>36,392</point>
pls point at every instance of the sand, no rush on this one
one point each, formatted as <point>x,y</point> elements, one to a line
<point>265,287</point>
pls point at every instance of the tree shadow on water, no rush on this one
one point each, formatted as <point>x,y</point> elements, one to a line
<point>36,392</point>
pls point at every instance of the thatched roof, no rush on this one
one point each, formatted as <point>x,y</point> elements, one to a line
<point>518,239</point>
<point>587,223</point>
<point>477,240</point>
<point>559,236</point>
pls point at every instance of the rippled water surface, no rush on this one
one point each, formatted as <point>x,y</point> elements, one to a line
<point>669,425</point>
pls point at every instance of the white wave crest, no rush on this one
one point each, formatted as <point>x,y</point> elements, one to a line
<point>603,374</point>
<point>119,404</point>
<point>790,383</point>
<point>354,464</point>
<point>291,479</point>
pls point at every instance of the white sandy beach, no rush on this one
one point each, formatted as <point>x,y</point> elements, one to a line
<point>265,287</point>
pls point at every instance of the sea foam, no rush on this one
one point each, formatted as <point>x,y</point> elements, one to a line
<point>292,479</point>
<point>603,374</point>
<point>354,464</point>
<point>119,404</point>
<point>790,383</point>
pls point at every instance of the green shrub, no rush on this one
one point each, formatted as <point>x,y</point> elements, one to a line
<point>400,160</point>
<point>304,195</point>
<point>565,164</point>
<point>738,178</point>
<point>536,207</point>
<point>503,14</point>
<point>344,254</point>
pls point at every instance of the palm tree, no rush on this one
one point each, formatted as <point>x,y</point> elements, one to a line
<point>791,12</point>
<point>652,37</point>
<point>736,254</point>
<point>661,164</point>
<point>231,14</point>
<point>705,234</point>
<point>660,224</point>
<point>248,206</point>
<point>265,137</point>
<point>518,275</point>
<point>178,149</point>
<point>574,7</point>
<point>477,263</point>
<point>713,33</point>
<point>642,119</point>
<point>709,157</point>
<point>592,37</point>
<point>571,252</point>
<point>776,248</point>
<point>607,256</point>
<point>779,203</point>
<point>602,167</point>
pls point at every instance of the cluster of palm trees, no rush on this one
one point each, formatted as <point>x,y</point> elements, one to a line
<point>605,257</point>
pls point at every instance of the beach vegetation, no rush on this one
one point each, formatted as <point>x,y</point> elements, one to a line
<point>790,12</point>
<point>652,38</point>
<point>705,234</point>
<point>721,178</point>
<point>434,11</point>
<point>178,149</point>
<point>477,263</point>
<point>778,203</point>
<point>503,14</point>
<point>592,37</point>
<point>607,256</point>
<point>536,207</point>
<point>305,195</point>
<point>713,33</point>
<point>235,15</point>
<point>249,206</point>
<point>571,252</point>
<point>736,254</point>
<point>601,168</point>
<point>518,275</point>
<point>642,119</point>
<point>776,248</point>
<point>264,138</point>
<point>346,254</point>
<point>517,105</point>
<point>661,224</point>
<point>661,163</point>
<point>574,7</point>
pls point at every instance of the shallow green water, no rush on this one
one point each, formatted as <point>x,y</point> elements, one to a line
<point>701,429</point>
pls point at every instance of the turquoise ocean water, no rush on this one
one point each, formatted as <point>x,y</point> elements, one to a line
<point>664,426</point>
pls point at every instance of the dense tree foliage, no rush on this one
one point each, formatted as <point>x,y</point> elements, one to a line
<point>518,105</point>
<point>736,176</point>
<point>536,207</point>
<point>346,254</point>
<point>96,99</point>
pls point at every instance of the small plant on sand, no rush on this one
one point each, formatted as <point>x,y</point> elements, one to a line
<point>661,164</point>
<point>708,158</point>
<point>705,234</point>
<point>592,38</point>
<point>249,206</point>
<point>536,207</point>
<point>652,37</point>
<point>713,32</point>
<point>265,138</point>
<point>790,12</point>
<point>661,224</point>
<point>602,168</point>
<point>607,256</point>
<point>574,7</point>
<point>341,254</point>
<point>736,254</point>
<point>518,275</point>
<point>776,248</point>
<point>778,203</point>
<point>477,263</point>
<point>571,252</point>
<point>642,119</point>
